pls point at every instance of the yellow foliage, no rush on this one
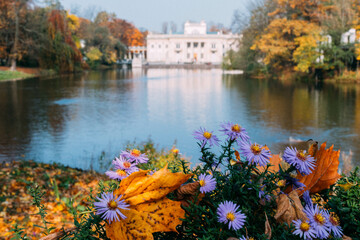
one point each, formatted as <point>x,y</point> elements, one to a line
<point>94,54</point>
<point>307,51</point>
<point>279,41</point>
<point>73,21</point>
<point>150,210</point>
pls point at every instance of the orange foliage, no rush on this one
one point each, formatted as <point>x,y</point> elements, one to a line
<point>126,32</point>
<point>309,10</point>
<point>150,210</point>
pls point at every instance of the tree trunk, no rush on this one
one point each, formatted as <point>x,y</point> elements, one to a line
<point>16,40</point>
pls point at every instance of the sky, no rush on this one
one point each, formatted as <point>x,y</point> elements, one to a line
<point>150,14</point>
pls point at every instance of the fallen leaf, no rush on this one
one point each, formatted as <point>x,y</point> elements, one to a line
<point>237,155</point>
<point>159,216</point>
<point>150,210</point>
<point>289,208</point>
<point>275,162</point>
<point>346,237</point>
<point>186,193</point>
<point>58,235</point>
<point>313,148</point>
<point>346,186</point>
<point>267,228</point>
<point>326,171</point>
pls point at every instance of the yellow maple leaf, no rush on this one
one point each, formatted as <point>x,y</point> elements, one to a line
<point>150,210</point>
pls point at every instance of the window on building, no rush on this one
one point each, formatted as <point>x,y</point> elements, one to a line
<point>166,46</point>
<point>178,45</point>
<point>152,46</point>
<point>223,46</point>
<point>188,55</point>
<point>202,55</point>
<point>213,45</point>
<point>202,44</point>
<point>159,46</point>
<point>196,44</point>
<point>188,44</point>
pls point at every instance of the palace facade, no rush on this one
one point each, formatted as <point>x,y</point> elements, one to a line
<point>195,45</point>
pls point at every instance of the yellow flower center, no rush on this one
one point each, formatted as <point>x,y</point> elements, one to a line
<point>127,164</point>
<point>304,226</point>
<point>236,128</point>
<point>230,216</point>
<point>175,151</point>
<point>112,205</point>
<point>319,218</point>
<point>301,155</point>
<point>251,238</point>
<point>202,183</point>
<point>255,149</point>
<point>121,172</point>
<point>334,219</point>
<point>135,152</point>
<point>281,183</point>
<point>207,135</point>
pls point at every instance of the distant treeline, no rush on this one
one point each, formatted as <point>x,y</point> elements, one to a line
<point>301,35</point>
<point>49,37</point>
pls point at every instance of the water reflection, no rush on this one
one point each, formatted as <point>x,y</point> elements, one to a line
<point>73,119</point>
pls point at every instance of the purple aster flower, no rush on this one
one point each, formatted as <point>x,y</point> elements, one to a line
<point>134,155</point>
<point>125,164</point>
<point>303,162</point>
<point>228,213</point>
<point>204,136</point>
<point>307,198</point>
<point>207,183</point>
<point>318,220</point>
<point>262,194</point>
<point>119,174</point>
<point>334,225</point>
<point>255,153</point>
<point>235,131</point>
<point>109,207</point>
<point>294,182</point>
<point>303,229</point>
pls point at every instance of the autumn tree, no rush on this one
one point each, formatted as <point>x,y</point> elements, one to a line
<point>62,52</point>
<point>292,35</point>
<point>250,24</point>
<point>12,34</point>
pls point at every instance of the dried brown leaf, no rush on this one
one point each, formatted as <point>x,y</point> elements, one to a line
<point>57,235</point>
<point>267,228</point>
<point>289,208</point>
<point>186,194</point>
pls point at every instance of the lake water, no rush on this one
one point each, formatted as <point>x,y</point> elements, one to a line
<point>73,119</point>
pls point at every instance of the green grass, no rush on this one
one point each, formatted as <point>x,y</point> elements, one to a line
<point>9,75</point>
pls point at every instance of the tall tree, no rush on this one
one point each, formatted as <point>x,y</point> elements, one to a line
<point>12,17</point>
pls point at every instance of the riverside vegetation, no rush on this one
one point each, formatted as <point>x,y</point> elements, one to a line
<point>244,192</point>
<point>50,38</point>
<point>298,36</point>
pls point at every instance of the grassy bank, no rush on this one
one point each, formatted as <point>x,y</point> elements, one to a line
<point>14,75</point>
<point>345,77</point>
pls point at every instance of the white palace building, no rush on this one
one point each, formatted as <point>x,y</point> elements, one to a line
<point>195,45</point>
